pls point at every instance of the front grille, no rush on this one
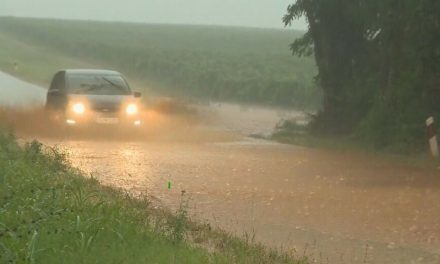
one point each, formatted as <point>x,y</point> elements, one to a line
<point>106,109</point>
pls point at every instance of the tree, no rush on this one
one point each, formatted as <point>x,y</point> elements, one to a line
<point>378,62</point>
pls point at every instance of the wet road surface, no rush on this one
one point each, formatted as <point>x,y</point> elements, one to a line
<point>17,93</point>
<point>337,207</point>
<point>330,203</point>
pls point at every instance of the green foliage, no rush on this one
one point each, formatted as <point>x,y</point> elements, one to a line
<point>378,64</point>
<point>217,63</point>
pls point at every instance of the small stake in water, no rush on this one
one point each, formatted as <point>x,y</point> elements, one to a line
<point>432,137</point>
<point>169,184</point>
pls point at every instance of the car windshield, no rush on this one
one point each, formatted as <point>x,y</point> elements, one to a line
<point>97,84</point>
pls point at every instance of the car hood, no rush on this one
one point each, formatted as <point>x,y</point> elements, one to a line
<point>103,102</point>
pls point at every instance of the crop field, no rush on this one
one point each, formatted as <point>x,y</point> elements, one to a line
<point>247,65</point>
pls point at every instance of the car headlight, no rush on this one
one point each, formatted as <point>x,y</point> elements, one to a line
<point>79,108</point>
<point>131,109</point>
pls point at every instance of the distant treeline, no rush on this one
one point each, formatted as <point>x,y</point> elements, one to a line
<point>379,67</point>
<point>217,63</point>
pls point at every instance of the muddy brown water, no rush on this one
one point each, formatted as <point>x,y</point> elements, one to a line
<point>333,206</point>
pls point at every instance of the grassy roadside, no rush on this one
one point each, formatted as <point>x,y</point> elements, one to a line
<point>49,211</point>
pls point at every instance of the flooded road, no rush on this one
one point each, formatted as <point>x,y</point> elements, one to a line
<point>337,207</point>
<point>17,93</point>
<point>334,204</point>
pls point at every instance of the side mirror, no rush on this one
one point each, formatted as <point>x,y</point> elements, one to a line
<point>54,92</point>
<point>137,95</point>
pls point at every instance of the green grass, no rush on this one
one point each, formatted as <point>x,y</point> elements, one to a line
<point>51,212</point>
<point>217,63</point>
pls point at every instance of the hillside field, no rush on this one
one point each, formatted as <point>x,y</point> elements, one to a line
<point>247,65</point>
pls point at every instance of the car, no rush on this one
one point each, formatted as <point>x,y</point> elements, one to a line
<point>82,97</point>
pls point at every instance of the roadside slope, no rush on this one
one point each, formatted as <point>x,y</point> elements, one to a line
<point>35,64</point>
<point>51,211</point>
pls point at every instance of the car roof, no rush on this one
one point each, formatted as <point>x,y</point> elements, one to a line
<point>91,71</point>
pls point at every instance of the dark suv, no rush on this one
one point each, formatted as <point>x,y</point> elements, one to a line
<point>82,97</point>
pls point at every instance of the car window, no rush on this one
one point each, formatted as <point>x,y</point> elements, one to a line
<point>97,84</point>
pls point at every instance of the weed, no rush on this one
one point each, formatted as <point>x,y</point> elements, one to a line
<point>30,256</point>
<point>178,223</point>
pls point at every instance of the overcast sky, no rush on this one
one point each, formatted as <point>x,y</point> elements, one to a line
<point>251,13</point>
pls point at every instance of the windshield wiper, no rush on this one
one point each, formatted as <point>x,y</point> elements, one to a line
<point>87,87</point>
<point>114,84</point>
